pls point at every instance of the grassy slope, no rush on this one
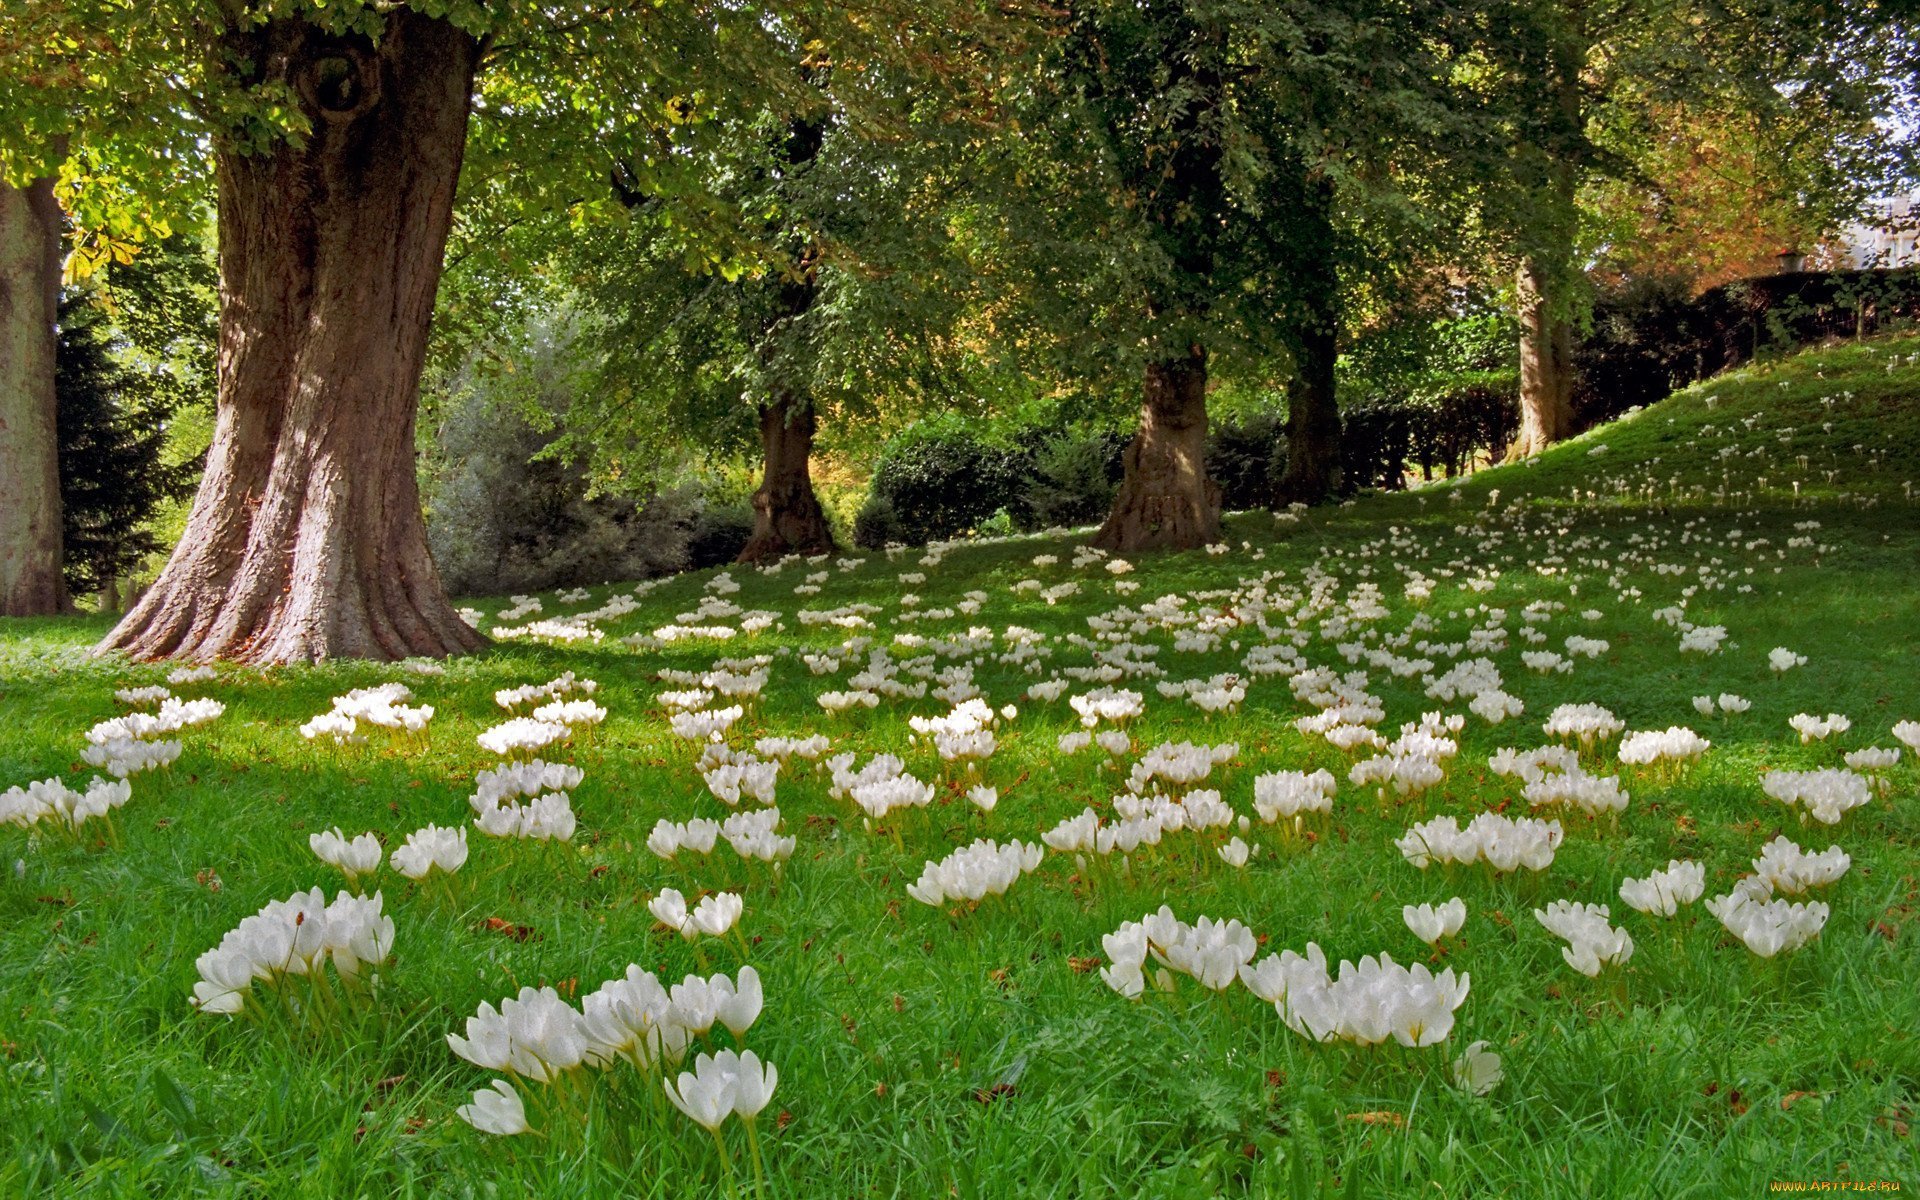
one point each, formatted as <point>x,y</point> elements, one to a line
<point>888,1020</point>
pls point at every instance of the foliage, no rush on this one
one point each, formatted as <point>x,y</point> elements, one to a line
<point>504,513</point>
<point>1072,478</point>
<point>112,419</point>
<point>1651,336</point>
<point>1465,422</point>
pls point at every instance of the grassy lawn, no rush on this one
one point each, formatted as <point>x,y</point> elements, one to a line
<point>971,1052</point>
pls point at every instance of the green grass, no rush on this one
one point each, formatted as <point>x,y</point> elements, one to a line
<point>1697,1070</point>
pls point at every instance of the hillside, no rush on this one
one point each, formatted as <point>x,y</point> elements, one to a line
<point>976,1051</point>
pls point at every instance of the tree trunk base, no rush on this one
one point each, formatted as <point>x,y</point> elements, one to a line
<point>1166,501</point>
<point>306,539</point>
<point>787,517</point>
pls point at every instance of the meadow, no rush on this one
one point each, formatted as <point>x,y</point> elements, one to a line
<point>988,1047</point>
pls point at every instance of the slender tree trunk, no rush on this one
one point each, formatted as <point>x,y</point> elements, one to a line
<point>1166,499</point>
<point>787,517</point>
<point>1313,420</point>
<point>31,583</point>
<point>1313,412</point>
<point>306,539</point>
<point>1546,265</point>
<point>1546,364</point>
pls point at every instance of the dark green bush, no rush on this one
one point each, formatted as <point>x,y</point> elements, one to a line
<point>1247,457</point>
<point>718,534</point>
<point>942,484</point>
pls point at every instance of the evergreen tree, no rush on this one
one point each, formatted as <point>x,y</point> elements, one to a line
<point>112,420</point>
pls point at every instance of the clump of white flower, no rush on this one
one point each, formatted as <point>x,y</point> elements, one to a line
<point>1591,941</point>
<point>290,940</point>
<point>1814,729</point>
<point>1781,659</point>
<point>122,757</point>
<point>537,1037</point>
<point>1366,1003</point>
<point>839,702</point>
<point>1431,923</point>
<point>1586,723</point>
<point>705,725</point>
<point>1591,794</point>
<point>1674,744</point>
<point>1663,892</point>
<point>547,817</point>
<point>972,872</point>
<point>1827,794</point>
<point>572,713</point>
<point>1117,705</point>
<point>142,697</point>
<point>430,848</point>
<point>713,916</point>
<point>174,715</point>
<point>53,801</point>
<point>1284,794</point>
<point>1787,868</point>
<point>742,776</point>
<point>1768,927</point>
<point>522,737</point>
<point>1501,842</point>
<point>697,834</point>
<point>356,856</point>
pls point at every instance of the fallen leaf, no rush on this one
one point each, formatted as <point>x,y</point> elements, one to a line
<point>1392,1119</point>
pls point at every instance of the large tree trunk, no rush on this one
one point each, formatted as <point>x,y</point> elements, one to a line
<point>306,539</point>
<point>787,518</point>
<point>1166,499</point>
<point>1546,363</point>
<point>31,583</point>
<point>1313,412</point>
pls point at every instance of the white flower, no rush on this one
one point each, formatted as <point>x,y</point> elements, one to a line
<point>361,856</point>
<point>1478,1070</point>
<point>1592,941</point>
<point>496,1111</point>
<point>1827,794</point>
<point>1234,853</point>
<point>1782,659</point>
<point>1768,927</point>
<point>1430,923</point>
<point>431,847</point>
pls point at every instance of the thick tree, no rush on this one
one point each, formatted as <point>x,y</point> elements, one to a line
<point>338,133</point>
<point>31,583</point>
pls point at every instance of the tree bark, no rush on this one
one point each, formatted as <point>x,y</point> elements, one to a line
<point>1546,261</point>
<point>787,517</point>
<point>1313,411</point>
<point>1313,418</point>
<point>31,583</point>
<point>306,539</point>
<point>1166,499</point>
<point>1546,363</point>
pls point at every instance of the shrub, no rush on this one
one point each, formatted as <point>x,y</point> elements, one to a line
<point>940,485</point>
<point>505,515</point>
<point>718,534</point>
<point>1073,479</point>
<point>1247,457</point>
